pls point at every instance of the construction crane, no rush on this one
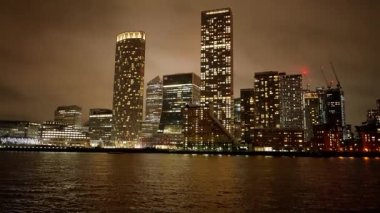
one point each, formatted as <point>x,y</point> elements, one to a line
<point>324,77</point>
<point>336,76</point>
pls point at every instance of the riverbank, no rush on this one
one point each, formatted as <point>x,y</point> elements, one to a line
<point>166,151</point>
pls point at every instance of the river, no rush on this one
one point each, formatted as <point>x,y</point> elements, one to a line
<point>88,182</point>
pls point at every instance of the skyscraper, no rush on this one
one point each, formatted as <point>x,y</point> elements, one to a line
<point>69,115</point>
<point>179,90</point>
<point>217,64</point>
<point>334,106</point>
<point>128,87</point>
<point>313,114</point>
<point>267,99</point>
<point>278,111</point>
<point>291,101</point>
<point>153,106</point>
<point>153,109</point>
<point>332,133</point>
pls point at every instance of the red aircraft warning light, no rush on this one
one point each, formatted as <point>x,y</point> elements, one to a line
<point>304,71</point>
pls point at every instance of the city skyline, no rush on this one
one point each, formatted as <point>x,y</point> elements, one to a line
<point>70,83</point>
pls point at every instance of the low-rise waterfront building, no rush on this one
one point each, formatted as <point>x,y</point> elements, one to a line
<point>59,134</point>
<point>203,131</point>
<point>100,126</point>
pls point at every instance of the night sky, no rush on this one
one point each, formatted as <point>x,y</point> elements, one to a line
<point>62,52</point>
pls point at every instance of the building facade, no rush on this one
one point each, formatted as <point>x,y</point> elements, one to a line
<point>268,99</point>
<point>369,131</point>
<point>100,125</point>
<point>247,115</point>
<point>278,109</point>
<point>334,107</point>
<point>237,120</point>
<point>178,91</point>
<point>332,134</point>
<point>203,131</point>
<point>217,64</point>
<point>291,102</point>
<point>18,129</point>
<point>153,109</point>
<point>69,115</point>
<point>19,133</point>
<point>278,139</point>
<point>313,112</point>
<point>128,88</point>
<point>59,134</point>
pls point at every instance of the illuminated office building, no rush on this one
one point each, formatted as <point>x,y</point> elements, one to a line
<point>217,64</point>
<point>267,99</point>
<point>128,87</point>
<point>333,131</point>
<point>278,111</point>
<point>100,125</point>
<point>154,100</point>
<point>203,131</point>
<point>178,90</point>
<point>18,129</point>
<point>19,133</point>
<point>237,110</point>
<point>372,115</point>
<point>369,131</point>
<point>153,108</point>
<point>291,101</point>
<point>69,115</point>
<point>247,114</point>
<point>278,139</point>
<point>334,107</point>
<point>59,134</point>
<point>237,119</point>
<point>313,116</point>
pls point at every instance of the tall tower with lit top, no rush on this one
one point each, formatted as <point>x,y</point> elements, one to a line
<point>128,87</point>
<point>217,64</point>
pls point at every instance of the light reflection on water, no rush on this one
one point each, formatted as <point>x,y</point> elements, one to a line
<point>199,183</point>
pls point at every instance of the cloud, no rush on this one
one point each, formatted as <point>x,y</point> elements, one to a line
<point>62,52</point>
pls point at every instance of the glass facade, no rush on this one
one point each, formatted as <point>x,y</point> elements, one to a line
<point>153,109</point>
<point>18,129</point>
<point>55,133</point>
<point>100,124</point>
<point>69,115</point>
<point>153,106</point>
<point>178,90</point>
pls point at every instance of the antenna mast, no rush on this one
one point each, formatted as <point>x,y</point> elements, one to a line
<point>324,77</point>
<point>336,76</point>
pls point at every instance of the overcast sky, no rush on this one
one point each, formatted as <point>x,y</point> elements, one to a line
<point>62,52</point>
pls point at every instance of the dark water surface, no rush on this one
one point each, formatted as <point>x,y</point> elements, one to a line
<point>86,182</point>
